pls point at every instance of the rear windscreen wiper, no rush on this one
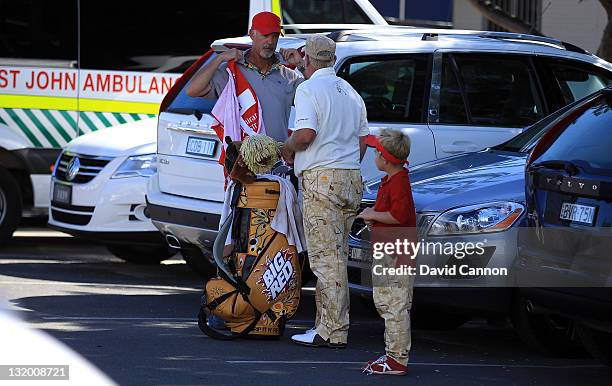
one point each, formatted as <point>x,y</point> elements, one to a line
<point>195,112</point>
<point>568,166</point>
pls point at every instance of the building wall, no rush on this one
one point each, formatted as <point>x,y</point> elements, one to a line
<point>579,23</point>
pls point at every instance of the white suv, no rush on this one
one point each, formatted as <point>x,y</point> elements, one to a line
<point>450,91</point>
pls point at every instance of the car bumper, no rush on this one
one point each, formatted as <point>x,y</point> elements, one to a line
<point>105,209</point>
<point>590,306</point>
<point>191,221</point>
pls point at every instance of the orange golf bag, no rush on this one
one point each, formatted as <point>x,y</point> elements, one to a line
<point>259,282</point>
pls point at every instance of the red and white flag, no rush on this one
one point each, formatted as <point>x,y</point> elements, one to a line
<point>238,111</point>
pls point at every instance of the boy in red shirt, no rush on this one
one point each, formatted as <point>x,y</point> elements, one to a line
<point>393,212</point>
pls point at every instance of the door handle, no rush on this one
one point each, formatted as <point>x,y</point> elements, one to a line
<point>456,148</point>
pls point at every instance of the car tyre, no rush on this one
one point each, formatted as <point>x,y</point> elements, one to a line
<point>140,254</point>
<point>10,205</point>
<point>550,335</point>
<point>199,262</point>
<point>597,343</point>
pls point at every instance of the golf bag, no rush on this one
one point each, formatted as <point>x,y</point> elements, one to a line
<point>259,282</point>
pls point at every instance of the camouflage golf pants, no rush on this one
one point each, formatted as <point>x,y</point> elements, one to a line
<point>393,300</point>
<point>331,200</point>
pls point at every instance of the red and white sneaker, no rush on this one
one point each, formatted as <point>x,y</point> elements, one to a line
<point>385,366</point>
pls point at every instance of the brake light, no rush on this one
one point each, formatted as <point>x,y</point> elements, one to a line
<point>180,83</point>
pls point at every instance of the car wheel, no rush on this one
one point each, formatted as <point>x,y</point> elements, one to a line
<point>10,205</point>
<point>547,334</point>
<point>140,254</point>
<point>597,343</point>
<point>200,262</point>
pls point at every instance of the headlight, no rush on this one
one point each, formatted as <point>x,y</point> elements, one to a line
<point>490,217</point>
<point>141,165</point>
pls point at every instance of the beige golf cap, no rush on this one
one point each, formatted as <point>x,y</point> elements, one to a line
<point>321,48</point>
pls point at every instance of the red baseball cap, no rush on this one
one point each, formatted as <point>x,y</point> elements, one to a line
<point>372,140</point>
<point>266,23</point>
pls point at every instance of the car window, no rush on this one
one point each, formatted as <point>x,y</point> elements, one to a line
<point>184,104</point>
<point>392,87</point>
<point>500,90</point>
<point>166,38</point>
<point>587,139</point>
<point>525,141</point>
<point>39,29</point>
<point>322,12</point>
<point>577,80</point>
<point>452,106</point>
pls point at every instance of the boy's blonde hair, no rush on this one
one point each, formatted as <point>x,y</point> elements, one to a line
<point>395,142</point>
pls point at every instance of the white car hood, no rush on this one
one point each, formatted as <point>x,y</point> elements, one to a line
<point>132,138</point>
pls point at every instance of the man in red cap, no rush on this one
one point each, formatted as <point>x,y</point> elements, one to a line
<point>273,83</point>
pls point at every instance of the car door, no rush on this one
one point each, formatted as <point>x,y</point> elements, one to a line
<point>394,89</point>
<point>481,99</point>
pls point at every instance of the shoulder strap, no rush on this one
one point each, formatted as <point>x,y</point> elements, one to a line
<point>215,334</point>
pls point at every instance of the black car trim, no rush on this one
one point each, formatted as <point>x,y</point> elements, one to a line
<point>153,238</point>
<point>183,217</point>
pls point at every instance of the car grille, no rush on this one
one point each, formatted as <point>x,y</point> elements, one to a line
<point>71,214</point>
<point>89,167</point>
<point>70,218</point>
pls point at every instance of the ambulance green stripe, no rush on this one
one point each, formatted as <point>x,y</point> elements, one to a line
<point>119,118</point>
<point>41,128</point>
<point>69,119</point>
<point>56,125</point>
<point>23,127</point>
<point>102,118</point>
<point>135,116</point>
<point>88,121</point>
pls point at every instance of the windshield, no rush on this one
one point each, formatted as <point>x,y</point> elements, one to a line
<point>586,140</point>
<point>524,142</point>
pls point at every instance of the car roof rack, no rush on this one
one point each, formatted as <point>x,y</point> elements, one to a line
<point>433,34</point>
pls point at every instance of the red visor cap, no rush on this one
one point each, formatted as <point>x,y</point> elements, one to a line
<point>372,140</point>
<point>266,23</point>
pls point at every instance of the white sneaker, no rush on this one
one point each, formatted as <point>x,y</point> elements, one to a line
<point>311,339</point>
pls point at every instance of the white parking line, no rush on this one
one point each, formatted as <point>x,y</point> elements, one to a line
<point>415,364</point>
<point>101,318</point>
<point>39,233</point>
<point>104,285</point>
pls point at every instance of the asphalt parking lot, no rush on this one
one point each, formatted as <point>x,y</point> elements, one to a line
<point>137,324</point>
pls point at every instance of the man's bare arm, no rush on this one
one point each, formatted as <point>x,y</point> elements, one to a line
<point>362,147</point>
<point>200,84</point>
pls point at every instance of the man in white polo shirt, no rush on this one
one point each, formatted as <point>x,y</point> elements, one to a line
<point>327,146</point>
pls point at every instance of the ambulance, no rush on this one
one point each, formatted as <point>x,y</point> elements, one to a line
<point>72,67</point>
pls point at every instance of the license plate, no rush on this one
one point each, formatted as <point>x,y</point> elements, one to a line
<point>201,146</point>
<point>62,193</point>
<point>577,213</point>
